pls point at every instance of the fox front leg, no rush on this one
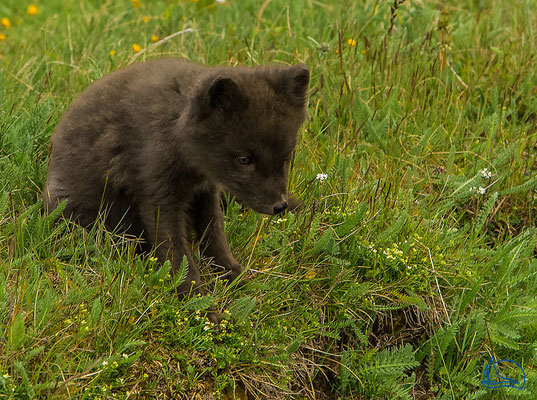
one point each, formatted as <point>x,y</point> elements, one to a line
<point>208,222</point>
<point>165,228</point>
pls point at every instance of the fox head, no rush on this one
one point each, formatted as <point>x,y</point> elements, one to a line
<point>244,128</point>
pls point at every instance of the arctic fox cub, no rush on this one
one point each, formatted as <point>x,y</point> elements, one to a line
<point>153,145</point>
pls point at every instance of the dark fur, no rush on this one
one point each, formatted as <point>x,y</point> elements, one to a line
<point>154,144</point>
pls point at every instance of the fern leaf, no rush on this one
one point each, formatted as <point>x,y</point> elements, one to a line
<point>16,331</point>
<point>517,317</point>
<point>355,291</point>
<point>352,222</point>
<point>241,308</point>
<point>389,234</point>
<point>421,147</point>
<point>504,157</point>
<point>484,213</point>
<point>181,274</point>
<point>326,244</point>
<point>96,310</point>
<point>504,341</point>
<point>526,186</point>
<point>199,303</point>
<point>392,362</point>
<point>160,274</point>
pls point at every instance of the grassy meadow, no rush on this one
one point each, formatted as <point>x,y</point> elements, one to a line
<point>410,264</point>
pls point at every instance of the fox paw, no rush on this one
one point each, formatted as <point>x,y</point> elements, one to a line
<point>233,271</point>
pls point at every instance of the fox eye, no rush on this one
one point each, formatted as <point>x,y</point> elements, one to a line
<point>244,160</point>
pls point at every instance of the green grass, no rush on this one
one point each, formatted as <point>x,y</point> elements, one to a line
<point>398,279</point>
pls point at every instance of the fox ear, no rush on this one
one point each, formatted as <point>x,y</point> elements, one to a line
<point>222,94</point>
<point>294,83</point>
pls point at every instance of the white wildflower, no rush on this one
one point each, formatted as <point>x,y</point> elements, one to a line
<point>481,190</point>
<point>485,173</point>
<point>207,325</point>
<point>321,177</point>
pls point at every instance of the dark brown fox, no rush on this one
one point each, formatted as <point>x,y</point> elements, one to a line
<point>155,144</point>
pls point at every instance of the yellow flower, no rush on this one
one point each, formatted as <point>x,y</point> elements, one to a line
<point>32,9</point>
<point>310,274</point>
<point>154,38</point>
<point>351,42</point>
<point>5,22</point>
<point>112,53</point>
<point>145,19</point>
<point>364,51</point>
<point>2,37</point>
<point>136,47</point>
<point>135,3</point>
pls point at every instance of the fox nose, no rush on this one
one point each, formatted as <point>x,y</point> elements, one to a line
<point>280,207</point>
